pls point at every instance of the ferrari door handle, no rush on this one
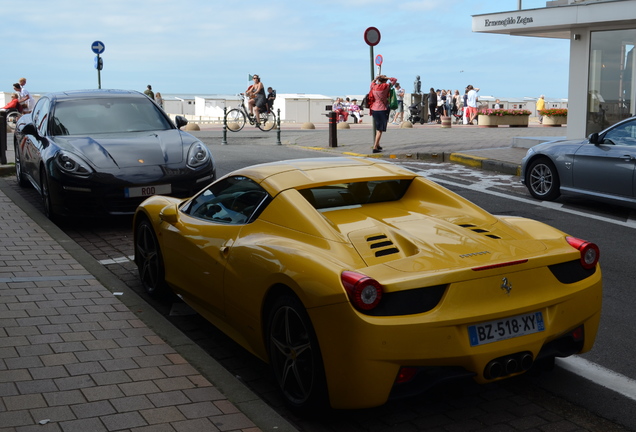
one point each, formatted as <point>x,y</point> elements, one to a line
<point>627,158</point>
<point>225,250</point>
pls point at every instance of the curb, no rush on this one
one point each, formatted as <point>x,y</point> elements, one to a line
<point>479,162</point>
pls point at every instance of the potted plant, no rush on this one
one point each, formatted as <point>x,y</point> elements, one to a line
<point>503,117</point>
<point>554,117</point>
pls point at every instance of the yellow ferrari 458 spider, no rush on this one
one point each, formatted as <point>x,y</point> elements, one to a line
<point>359,281</point>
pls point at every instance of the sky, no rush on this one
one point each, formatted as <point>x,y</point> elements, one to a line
<point>205,47</point>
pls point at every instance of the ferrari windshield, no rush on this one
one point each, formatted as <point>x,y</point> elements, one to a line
<point>107,115</point>
<point>357,193</point>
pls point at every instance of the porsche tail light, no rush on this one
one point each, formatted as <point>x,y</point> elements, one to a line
<point>589,251</point>
<point>364,292</point>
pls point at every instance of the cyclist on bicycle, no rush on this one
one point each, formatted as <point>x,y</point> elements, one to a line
<point>258,100</point>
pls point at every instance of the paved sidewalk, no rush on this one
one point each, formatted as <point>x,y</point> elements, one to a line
<point>74,354</point>
<point>74,357</point>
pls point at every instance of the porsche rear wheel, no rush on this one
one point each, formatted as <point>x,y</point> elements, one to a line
<point>148,258</point>
<point>542,180</point>
<point>295,356</point>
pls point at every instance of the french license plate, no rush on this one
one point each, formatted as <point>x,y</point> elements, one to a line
<point>507,328</point>
<point>145,191</point>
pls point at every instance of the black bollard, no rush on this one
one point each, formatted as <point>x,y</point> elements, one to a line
<point>3,137</point>
<point>278,129</point>
<point>333,135</point>
<point>224,141</point>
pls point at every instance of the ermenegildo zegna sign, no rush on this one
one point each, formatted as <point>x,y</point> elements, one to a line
<point>508,21</point>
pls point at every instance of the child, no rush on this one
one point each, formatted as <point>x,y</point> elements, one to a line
<point>354,110</point>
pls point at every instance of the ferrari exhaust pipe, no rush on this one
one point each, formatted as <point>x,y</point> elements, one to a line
<point>494,369</point>
<point>508,365</point>
<point>526,361</point>
<point>512,365</point>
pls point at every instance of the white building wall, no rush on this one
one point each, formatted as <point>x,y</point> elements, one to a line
<point>578,83</point>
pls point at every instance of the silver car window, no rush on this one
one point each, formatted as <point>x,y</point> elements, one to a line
<point>623,134</point>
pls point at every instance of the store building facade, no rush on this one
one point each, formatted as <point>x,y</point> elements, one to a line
<point>602,34</point>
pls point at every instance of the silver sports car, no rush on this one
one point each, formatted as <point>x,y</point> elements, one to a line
<point>600,167</point>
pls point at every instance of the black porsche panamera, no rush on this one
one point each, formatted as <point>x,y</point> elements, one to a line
<point>102,152</point>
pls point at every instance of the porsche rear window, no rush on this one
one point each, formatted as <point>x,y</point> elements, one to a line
<point>357,193</point>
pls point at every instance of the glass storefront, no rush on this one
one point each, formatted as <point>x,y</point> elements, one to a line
<point>611,88</point>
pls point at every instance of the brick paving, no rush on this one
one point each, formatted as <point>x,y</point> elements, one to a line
<point>73,357</point>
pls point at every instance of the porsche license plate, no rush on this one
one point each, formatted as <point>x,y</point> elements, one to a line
<point>494,331</point>
<point>144,191</point>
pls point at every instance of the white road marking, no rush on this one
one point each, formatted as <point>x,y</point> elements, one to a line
<point>116,260</point>
<point>600,375</point>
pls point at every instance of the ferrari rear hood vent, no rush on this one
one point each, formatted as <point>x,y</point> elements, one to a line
<point>381,245</point>
<point>476,229</point>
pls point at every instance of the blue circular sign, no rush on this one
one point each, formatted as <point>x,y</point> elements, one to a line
<point>98,47</point>
<point>378,60</point>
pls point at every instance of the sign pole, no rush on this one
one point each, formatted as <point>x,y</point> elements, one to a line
<point>99,73</point>
<point>372,38</point>
<point>373,129</point>
<point>98,47</point>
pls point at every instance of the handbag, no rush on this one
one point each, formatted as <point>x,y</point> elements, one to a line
<point>393,101</point>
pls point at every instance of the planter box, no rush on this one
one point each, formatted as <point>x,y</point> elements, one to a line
<point>508,120</point>
<point>554,121</point>
<point>488,121</point>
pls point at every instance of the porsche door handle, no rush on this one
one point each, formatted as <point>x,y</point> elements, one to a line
<point>628,158</point>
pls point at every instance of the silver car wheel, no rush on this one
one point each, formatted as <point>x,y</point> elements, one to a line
<point>543,180</point>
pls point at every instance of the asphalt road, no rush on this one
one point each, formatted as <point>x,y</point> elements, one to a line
<point>557,400</point>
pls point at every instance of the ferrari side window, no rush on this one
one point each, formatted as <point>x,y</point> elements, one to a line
<point>234,200</point>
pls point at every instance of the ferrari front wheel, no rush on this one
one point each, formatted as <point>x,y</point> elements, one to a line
<point>148,258</point>
<point>542,180</point>
<point>295,356</point>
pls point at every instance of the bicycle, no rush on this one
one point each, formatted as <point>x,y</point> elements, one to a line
<point>237,117</point>
<point>12,119</point>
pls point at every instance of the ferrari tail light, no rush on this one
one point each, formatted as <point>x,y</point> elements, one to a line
<point>364,292</point>
<point>405,375</point>
<point>590,253</point>
<point>578,334</point>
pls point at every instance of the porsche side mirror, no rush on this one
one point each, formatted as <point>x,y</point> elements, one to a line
<point>181,121</point>
<point>593,138</point>
<point>169,214</point>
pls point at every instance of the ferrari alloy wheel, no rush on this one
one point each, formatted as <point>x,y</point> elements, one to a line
<point>295,356</point>
<point>542,180</point>
<point>148,258</point>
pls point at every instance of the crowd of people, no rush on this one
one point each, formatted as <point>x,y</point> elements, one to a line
<point>448,103</point>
